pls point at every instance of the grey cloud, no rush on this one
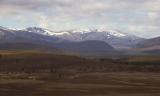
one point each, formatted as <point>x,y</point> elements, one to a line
<point>91,12</point>
<point>91,6</point>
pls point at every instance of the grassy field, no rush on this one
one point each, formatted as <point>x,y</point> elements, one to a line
<point>83,84</point>
<point>43,74</point>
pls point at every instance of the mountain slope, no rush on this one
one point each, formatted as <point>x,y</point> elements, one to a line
<point>149,43</point>
<point>7,35</point>
<point>151,46</point>
<point>21,39</point>
<point>87,47</point>
<point>27,46</point>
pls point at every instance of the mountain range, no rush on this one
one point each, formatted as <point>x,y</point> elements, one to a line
<point>115,38</point>
<point>79,41</point>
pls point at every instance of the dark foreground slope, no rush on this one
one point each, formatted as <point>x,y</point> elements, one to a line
<point>34,61</point>
<point>26,73</point>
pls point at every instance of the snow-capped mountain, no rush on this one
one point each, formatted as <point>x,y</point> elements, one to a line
<point>13,35</point>
<point>115,38</point>
<point>43,31</point>
<point>43,39</point>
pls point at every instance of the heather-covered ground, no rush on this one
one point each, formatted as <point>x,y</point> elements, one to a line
<point>44,74</point>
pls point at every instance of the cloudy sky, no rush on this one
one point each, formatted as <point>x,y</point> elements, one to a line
<point>139,17</point>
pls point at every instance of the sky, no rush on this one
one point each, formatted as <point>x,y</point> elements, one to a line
<point>138,17</point>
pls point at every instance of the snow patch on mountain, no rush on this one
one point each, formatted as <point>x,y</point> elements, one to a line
<point>79,33</point>
<point>44,31</point>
